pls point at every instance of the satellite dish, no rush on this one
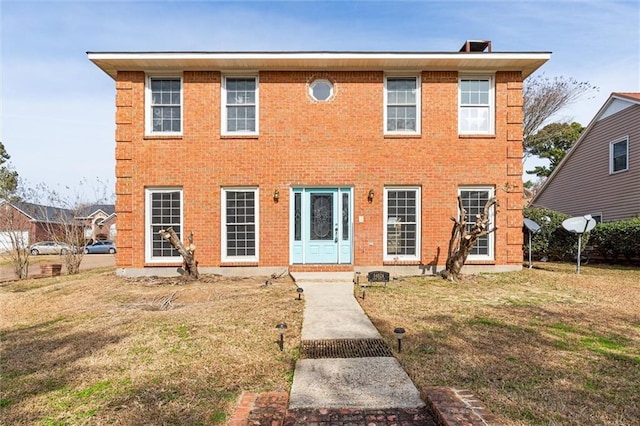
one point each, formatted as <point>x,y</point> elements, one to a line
<point>531,226</point>
<point>579,224</point>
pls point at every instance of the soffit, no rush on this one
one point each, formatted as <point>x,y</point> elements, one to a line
<point>112,62</point>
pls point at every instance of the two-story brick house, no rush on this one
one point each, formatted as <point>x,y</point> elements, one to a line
<point>316,161</point>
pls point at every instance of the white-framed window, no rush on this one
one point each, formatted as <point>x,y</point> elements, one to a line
<point>402,104</point>
<point>402,223</point>
<point>240,224</point>
<point>163,105</point>
<point>321,90</point>
<point>476,105</point>
<point>163,209</point>
<point>239,105</point>
<point>619,155</point>
<point>474,199</point>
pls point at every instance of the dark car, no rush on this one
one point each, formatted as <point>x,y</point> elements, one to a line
<point>100,247</point>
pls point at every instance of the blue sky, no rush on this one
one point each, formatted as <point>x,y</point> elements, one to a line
<point>57,111</point>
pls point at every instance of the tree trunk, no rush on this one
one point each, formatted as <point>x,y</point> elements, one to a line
<point>189,265</point>
<point>463,239</point>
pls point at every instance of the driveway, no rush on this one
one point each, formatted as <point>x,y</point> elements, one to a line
<point>89,261</point>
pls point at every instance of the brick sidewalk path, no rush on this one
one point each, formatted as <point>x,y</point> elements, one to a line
<point>344,417</point>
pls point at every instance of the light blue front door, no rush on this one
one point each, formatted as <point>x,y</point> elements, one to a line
<point>321,225</point>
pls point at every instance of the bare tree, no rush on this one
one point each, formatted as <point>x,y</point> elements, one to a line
<point>65,218</point>
<point>189,264</point>
<point>464,237</point>
<point>544,96</point>
<point>15,238</point>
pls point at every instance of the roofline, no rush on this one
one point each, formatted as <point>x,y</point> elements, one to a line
<point>112,62</point>
<point>583,135</point>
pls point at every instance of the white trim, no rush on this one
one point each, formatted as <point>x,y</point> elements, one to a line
<point>223,224</point>
<point>492,217</point>
<point>223,105</point>
<point>385,255</point>
<point>611,144</point>
<point>418,104</point>
<point>491,106</point>
<point>148,116</point>
<point>148,249</point>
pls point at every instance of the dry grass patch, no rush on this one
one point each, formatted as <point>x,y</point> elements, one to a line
<point>542,346</point>
<point>98,349</point>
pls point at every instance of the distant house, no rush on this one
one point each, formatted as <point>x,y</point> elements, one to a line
<point>600,175</point>
<point>27,223</point>
<point>316,161</point>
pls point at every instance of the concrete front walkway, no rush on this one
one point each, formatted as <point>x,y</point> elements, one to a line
<point>332,312</point>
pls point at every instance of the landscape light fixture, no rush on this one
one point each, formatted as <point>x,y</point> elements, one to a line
<point>299,290</point>
<point>370,195</point>
<point>276,195</point>
<point>399,332</point>
<point>282,327</point>
<point>364,290</point>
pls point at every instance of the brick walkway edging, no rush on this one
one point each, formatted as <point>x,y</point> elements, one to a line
<point>449,406</point>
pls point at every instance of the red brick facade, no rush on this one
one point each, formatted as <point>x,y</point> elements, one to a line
<point>302,143</point>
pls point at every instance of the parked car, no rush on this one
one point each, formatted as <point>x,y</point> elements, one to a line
<point>100,247</point>
<point>49,247</point>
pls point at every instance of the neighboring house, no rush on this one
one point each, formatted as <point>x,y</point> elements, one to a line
<point>26,223</point>
<point>316,161</point>
<point>600,175</point>
<point>99,221</point>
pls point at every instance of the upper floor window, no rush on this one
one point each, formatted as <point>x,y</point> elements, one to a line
<point>474,200</point>
<point>402,223</point>
<point>619,156</point>
<point>240,105</point>
<point>321,90</point>
<point>164,105</point>
<point>163,210</point>
<point>402,105</point>
<point>475,105</point>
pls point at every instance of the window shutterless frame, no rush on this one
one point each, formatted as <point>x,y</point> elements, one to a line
<point>402,223</point>
<point>239,109</point>
<point>163,209</point>
<point>619,155</point>
<point>476,105</point>
<point>402,109</point>
<point>240,221</point>
<point>474,199</point>
<point>163,105</point>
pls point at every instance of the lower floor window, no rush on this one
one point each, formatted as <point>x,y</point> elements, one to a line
<point>402,223</point>
<point>163,210</point>
<point>474,200</point>
<point>240,224</point>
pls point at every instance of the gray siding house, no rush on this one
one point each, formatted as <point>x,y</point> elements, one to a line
<point>600,175</point>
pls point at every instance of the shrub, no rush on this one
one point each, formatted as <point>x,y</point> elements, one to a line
<point>612,239</point>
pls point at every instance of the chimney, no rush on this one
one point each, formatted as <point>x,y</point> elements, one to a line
<point>476,46</point>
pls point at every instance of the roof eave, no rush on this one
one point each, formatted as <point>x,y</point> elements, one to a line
<point>112,62</point>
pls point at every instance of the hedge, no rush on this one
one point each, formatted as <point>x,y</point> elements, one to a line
<point>613,241</point>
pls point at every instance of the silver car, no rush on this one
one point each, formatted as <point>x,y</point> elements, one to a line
<point>49,247</point>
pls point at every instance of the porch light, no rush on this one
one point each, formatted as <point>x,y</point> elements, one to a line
<point>299,290</point>
<point>399,332</point>
<point>370,195</point>
<point>276,195</point>
<point>282,327</point>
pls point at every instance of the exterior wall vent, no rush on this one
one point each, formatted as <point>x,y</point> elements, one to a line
<point>470,46</point>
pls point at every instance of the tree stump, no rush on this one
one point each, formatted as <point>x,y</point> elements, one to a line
<point>189,265</point>
<point>463,239</point>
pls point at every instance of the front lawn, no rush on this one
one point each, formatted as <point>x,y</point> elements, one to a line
<point>538,347</point>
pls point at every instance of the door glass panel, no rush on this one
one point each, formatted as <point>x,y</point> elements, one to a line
<point>345,217</point>
<point>297,225</point>
<point>321,217</point>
